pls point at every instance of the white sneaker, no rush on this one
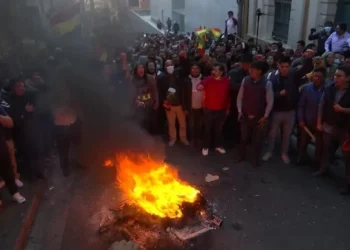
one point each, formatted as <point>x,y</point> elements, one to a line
<point>17,197</point>
<point>2,184</point>
<point>205,151</point>
<point>221,150</point>
<point>19,183</point>
<point>267,156</point>
<point>285,158</point>
<point>172,143</point>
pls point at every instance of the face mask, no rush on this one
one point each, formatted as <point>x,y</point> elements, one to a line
<point>327,28</point>
<point>253,52</point>
<point>170,69</point>
<point>273,50</point>
<point>337,61</point>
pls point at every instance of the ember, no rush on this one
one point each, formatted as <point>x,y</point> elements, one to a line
<point>154,186</point>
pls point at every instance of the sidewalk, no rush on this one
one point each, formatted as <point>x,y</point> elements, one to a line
<point>16,219</point>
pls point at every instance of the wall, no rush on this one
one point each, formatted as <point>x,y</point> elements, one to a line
<point>156,9</point>
<point>209,13</point>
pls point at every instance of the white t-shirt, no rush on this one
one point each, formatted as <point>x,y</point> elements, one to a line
<point>231,27</point>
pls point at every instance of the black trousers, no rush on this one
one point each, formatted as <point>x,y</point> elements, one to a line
<point>6,170</point>
<point>196,125</point>
<point>251,131</point>
<point>67,140</point>
<point>213,122</point>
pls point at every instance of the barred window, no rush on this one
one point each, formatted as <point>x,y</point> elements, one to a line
<point>281,22</point>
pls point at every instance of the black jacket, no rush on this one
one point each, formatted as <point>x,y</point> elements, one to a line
<point>321,38</point>
<point>236,76</point>
<point>187,93</point>
<point>164,83</point>
<point>339,120</point>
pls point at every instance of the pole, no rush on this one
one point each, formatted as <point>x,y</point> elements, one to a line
<point>257,31</point>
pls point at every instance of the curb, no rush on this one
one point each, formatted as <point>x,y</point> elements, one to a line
<point>29,218</point>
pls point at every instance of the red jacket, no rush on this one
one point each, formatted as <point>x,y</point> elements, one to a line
<point>216,93</point>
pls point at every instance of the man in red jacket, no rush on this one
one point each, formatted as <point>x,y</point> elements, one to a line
<point>216,107</point>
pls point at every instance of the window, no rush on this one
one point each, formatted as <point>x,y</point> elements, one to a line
<point>282,17</point>
<point>343,12</point>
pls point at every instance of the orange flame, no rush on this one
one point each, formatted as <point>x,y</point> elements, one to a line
<point>153,186</point>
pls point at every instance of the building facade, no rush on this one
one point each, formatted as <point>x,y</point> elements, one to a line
<point>289,21</point>
<point>191,14</point>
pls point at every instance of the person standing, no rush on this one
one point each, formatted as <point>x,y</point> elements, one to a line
<point>176,28</point>
<point>6,170</point>
<point>334,121</point>
<point>231,24</point>
<point>217,107</point>
<point>173,103</point>
<point>337,41</point>
<point>254,104</point>
<point>307,115</point>
<point>285,101</point>
<point>321,36</point>
<point>169,23</point>
<point>194,105</point>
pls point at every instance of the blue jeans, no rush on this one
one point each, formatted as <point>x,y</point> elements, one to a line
<point>285,121</point>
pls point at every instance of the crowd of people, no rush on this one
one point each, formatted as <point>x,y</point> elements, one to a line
<point>240,93</point>
<point>228,94</point>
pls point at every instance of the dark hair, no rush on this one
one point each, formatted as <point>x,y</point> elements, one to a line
<point>309,46</point>
<point>195,65</point>
<point>146,66</point>
<point>321,70</point>
<point>301,42</point>
<point>284,59</point>
<point>220,66</point>
<point>138,65</point>
<point>230,13</point>
<point>259,65</point>
<point>247,58</point>
<point>328,23</point>
<point>343,26</point>
<point>345,69</point>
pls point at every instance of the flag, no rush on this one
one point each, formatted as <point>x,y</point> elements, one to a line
<point>202,38</point>
<point>216,33</point>
<point>66,20</point>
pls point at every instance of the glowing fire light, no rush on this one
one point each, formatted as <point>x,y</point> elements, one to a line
<point>153,186</point>
<point>108,164</point>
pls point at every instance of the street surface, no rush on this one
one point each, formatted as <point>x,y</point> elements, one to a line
<point>276,207</point>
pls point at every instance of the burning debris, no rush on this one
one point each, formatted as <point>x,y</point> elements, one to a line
<point>160,210</point>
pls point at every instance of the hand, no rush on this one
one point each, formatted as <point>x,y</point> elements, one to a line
<point>319,126</point>
<point>301,124</point>
<point>200,87</point>
<point>240,117</point>
<point>140,104</point>
<point>283,93</point>
<point>262,122</point>
<point>29,108</point>
<point>338,108</point>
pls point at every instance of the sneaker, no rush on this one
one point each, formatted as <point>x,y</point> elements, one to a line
<point>172,143</point>
<point>19,183</point>
<point>221,150</point>
<point>285,159</point>
<point>17,197</point>
<point>185,142</point>
<point>267,156</point>
<point>205,151</point>
<point>2,184</point>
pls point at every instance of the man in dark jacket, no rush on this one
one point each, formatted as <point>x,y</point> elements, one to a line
<point>321,36</point>
<point>334,120</point>
<point>285,101</point>
<point>171,93</point>
<point>254,104</point>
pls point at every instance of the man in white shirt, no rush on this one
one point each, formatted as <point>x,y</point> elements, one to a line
<point>231,26</point>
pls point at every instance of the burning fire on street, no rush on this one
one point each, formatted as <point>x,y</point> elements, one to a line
<point>158,203</point>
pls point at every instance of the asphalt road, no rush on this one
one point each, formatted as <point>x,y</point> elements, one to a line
<point>275,207</point>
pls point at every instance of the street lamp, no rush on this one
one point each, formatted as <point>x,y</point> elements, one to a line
<point>258,14</point>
